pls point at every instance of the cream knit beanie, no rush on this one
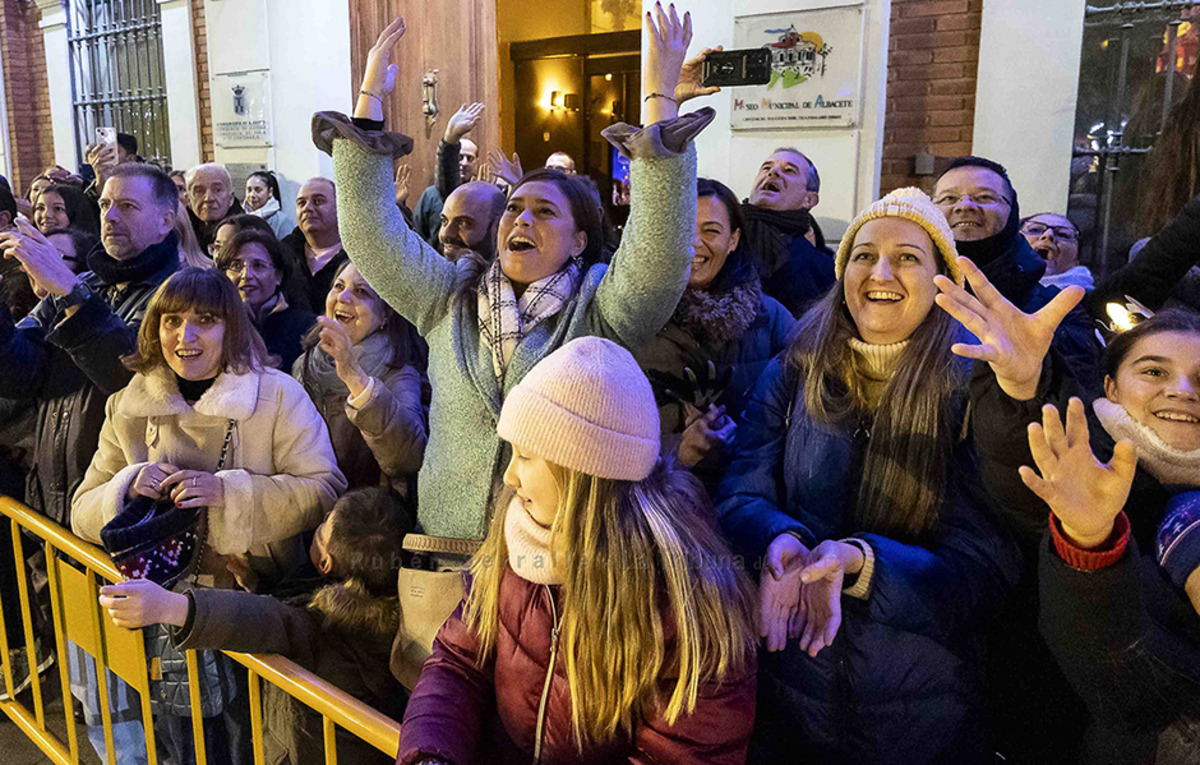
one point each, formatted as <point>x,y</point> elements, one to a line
<point>911,204</point>
<point>588,407</point>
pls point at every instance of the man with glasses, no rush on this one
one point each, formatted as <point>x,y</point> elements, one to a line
<point>1034,714</point>
<point>1056,239</point>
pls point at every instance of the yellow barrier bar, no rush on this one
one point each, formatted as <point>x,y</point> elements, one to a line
<point>60,644</point>
<point>256,724</point>
<point>330,740</point>
<point>193,673</point>
<point>363,721</point>
<point>4,660</point>
<point>101,669</point>
<point>42,738</point>
<point>147,711</point>
<point>333,704</point>
<point>31,653</point>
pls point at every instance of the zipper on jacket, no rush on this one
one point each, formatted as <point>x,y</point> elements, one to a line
<point>541,716</point>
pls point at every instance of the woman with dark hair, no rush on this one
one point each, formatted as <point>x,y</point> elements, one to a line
<point>852,482</point>
<point>255,263</point>
<point>1112,511</point>
<point>60,206</point>
<point>724,331</point>
<point>263,200</point>
<point>205,423</point>
<point>488,324</point>
<point>364,368</point>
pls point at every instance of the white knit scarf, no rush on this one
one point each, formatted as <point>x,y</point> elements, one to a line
<point>504,318</point>
<point>528,542</point>
<point>1168,464</point>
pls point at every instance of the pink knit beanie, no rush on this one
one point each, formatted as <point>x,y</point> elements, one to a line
<point>588,407</point>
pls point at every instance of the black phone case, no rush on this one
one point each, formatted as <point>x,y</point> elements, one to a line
<point>730,68</point>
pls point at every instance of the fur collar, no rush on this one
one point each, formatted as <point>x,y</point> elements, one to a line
<point>347,607</point>
<point>156,394</point>
<point>1170,465</point>
<point>715,318</point>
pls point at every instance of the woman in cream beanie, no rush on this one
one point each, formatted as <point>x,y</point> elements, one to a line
<point>605,617</point>
<point>848,477</point>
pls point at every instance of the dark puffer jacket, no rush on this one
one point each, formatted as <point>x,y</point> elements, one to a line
<point>463,713</point>
<point>1127,641</point>
<point>70,367</point>
<point>902,682</point>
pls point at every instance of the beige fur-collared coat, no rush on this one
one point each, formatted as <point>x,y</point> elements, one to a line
<point>280,477</point>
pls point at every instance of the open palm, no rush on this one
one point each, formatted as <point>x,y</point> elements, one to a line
<point>1013,343</point>
<point>1084,493</point>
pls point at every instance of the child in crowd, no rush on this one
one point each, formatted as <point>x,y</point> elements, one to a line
<point>342,630</point>
<point>606,620</point>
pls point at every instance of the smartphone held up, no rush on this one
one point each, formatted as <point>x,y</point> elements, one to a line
<point>730,68</point>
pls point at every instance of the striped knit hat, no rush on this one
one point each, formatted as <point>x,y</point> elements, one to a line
<point>588,407</point>
<point>910,204</point>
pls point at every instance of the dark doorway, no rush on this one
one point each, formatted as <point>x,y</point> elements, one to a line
<point>568,89</point>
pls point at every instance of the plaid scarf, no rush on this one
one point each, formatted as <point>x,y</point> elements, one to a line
<point>504,318</point>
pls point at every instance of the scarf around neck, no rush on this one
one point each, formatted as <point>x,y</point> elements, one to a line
<point>1171,466</point>
<point>769,234</point>
<point>528,542</point>
<point>374,353</point>
<point>267,210</point>
<point>715,317</point>
<point>138,268</point>
<point>504,319</point>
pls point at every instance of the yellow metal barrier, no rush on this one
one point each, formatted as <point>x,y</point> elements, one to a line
<point>77,616</point>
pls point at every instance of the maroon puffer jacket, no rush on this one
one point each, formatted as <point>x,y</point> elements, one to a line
<point>460,713</point>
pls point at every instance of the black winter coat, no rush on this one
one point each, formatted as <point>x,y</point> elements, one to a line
<point>313,287</point>
<point>804,276</point>
<point>282,333</point>
<point>70,367</point>
<point>903,681</point>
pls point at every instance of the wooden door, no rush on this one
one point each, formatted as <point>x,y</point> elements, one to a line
<point>456,37</point>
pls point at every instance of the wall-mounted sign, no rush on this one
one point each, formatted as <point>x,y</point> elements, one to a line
<point>816,62</point>
<point>241,110</point>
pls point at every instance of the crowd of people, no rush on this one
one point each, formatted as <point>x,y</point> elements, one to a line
<point>707,488</point>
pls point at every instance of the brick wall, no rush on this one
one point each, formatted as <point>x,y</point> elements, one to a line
<point>27,94</point>
<point>200,30</point>
<point>933,55</point>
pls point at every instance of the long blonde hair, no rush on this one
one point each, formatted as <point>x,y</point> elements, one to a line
<point>905,467</point>
<point>644,567</point>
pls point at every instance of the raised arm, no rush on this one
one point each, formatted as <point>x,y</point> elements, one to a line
<point>649,271</point>
<point>409,274</point>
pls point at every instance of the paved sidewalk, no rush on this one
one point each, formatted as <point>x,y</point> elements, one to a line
<point>17,749</point>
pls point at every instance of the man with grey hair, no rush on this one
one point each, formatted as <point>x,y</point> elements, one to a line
<point>787,246</point>
<point>315,247</point>
<point>210,201</point>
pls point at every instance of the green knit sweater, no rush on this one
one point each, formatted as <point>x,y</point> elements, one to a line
<point>627,302</point>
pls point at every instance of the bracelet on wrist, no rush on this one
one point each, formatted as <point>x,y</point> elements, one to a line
<point>672,99</point>
<point>376,96</point>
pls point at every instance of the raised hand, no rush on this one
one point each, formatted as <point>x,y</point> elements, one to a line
<point>379,77</point>
<point>508,171</point>
<point>1084,493</point>
<point>103,158</point>
<point>484,172</point>
<point>779,589</point>
<point>140,603</point>
<point>403,171</point>
<point>689,86</point>
<point>47,270</point>
<point>1012,342</point>
<point>667,41</point>
<point>462,122</point>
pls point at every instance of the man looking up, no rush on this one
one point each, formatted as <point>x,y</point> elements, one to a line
<point>456,155</point>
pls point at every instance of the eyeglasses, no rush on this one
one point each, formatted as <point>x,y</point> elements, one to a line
<point>237,267</point>
<point>1064,233</point>
<point>983,199</point>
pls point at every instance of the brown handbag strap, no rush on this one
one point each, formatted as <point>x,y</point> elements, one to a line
<point>424,543</point>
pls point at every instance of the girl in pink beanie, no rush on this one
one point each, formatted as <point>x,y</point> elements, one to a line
<point>606,620</point>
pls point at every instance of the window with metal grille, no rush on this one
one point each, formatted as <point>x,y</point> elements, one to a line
<point>117,77</point>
